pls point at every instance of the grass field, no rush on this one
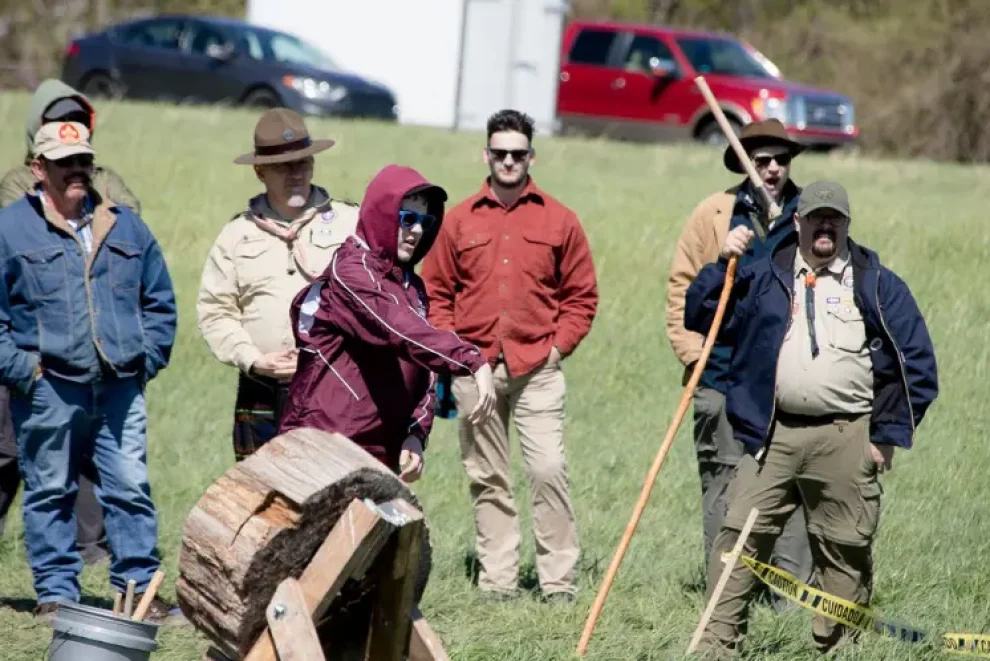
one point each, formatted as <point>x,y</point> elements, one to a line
<point>928,223</point>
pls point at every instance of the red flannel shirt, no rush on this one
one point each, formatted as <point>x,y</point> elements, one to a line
<point>514,280</point>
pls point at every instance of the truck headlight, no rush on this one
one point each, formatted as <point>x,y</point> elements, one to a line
<point>771,109</point>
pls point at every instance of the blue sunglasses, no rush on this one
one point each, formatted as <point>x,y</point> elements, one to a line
<point>408,219</point>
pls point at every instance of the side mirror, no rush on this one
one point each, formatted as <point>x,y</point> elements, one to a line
<point>662,68</point>
<point>224,52</point>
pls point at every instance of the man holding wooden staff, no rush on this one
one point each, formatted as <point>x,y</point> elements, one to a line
<point>832,368</point>
<point>718,452</point>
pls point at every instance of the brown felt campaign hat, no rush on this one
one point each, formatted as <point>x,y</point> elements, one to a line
<point>280,136</point>
<point>760,134</point>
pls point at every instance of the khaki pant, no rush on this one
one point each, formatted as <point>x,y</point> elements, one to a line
<point>718,455</point>
<point>536,400</point>
<point>831,468</point>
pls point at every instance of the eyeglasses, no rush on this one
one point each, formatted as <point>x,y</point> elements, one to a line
<point>831,219</point>
<point>409,219</point>
<point>783,160</point>
<point>76,160</point>
<point>517,154</point>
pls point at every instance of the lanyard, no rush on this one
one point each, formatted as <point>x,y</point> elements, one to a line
<point>809,306</point>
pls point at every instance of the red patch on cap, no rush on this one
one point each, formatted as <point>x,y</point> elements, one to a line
<point>68,134</point>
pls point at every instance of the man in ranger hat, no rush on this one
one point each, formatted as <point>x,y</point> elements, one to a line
<point>833,368</point>
<point>771,151</point>
<point>262,258</point>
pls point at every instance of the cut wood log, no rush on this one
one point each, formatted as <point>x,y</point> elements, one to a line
<point>262,522</point>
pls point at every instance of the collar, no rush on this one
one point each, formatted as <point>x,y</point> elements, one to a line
<point>529,193</point>
<point>84,217</point>
<point>837,266</point>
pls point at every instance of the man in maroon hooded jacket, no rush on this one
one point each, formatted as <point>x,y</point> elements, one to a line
<point>367,355</point>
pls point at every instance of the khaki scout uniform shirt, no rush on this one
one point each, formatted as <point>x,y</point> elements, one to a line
<point>250,279</point>
<point>840,378</point>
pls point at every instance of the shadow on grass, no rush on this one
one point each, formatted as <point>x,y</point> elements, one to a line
<point>529,580</point>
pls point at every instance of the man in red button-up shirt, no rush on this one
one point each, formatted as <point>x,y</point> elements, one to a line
<point>511,272</point>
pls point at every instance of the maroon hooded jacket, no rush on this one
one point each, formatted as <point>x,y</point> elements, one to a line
<point>367,355</point>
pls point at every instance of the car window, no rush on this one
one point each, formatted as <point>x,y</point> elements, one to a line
<point>592,47</point>
<point>283,48</point>
<point>153,34</point>
<point>722,56</point>
<point>645,53</point>
<point>205,36</point>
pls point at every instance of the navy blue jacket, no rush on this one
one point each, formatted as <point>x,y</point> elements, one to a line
<point>110,316</point>
<point>747,205</point>
<point>905,377</point>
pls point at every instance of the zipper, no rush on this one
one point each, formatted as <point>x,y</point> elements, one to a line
<point>900,361</point>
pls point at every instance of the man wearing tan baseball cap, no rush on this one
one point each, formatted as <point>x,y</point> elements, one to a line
<point>89,319</point>
<point>262,258</point>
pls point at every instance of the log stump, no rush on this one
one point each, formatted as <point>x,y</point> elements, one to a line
<point>263,520</point>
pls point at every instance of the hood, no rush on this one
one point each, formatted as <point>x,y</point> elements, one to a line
<point>46,94</point>
<point>378,220</point>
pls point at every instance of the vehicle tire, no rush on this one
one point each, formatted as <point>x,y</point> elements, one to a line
<point>102,86</point>
<point>711,133</point>
<point>261,97</point>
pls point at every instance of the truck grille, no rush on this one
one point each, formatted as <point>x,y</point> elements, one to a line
<point>826,113</point>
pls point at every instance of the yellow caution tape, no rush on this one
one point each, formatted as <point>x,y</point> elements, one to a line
<point>853,615</point>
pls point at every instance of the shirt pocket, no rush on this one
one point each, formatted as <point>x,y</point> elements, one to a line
<point>125,265</point>
<point>325,237</point>
<point>252,259</point>
<point>540,254</point>
<point>46,269</point>
<point>472,252</point>
<point>846,330</point>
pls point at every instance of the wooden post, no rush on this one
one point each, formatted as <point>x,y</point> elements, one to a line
<point>391,620</point>
<point>424,644</point>
<point>291,624</point>
<point>730,564</point>
<point>348,550</point>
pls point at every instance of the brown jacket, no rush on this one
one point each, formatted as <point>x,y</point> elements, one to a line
<point>699,244</point>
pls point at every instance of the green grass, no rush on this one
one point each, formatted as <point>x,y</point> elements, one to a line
<point>928,222</point>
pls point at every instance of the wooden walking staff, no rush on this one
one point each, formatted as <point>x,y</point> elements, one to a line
<point>699,367</point>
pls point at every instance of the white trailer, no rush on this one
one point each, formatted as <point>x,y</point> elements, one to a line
<point>450,63</point>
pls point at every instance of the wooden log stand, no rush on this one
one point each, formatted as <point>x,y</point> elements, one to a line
<point>279,545</point>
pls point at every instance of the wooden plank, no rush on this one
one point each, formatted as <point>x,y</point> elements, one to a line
<point>424,643</point>
<point>391,619</point>
<point>348,550</point>
<point>291,625</point>
<point>730,564</point>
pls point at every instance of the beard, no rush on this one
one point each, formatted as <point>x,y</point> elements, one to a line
<point>823,243</point>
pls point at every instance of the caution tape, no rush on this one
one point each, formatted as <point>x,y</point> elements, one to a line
<point>856,616</point>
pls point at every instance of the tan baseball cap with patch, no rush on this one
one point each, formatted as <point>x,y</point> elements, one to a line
<point>60,139</point>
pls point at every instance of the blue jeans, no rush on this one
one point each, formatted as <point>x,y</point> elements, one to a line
<point>60,422</point>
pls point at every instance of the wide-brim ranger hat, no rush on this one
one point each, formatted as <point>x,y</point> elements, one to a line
<point>280,136</point>
<point>760,134</point>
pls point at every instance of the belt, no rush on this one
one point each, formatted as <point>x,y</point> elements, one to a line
<point>802,420</point>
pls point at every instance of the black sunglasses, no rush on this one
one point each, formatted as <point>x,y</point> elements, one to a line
<point>517,154</point>
<point>783,160</point>
<point>76,160</point>
<point>409,219</point>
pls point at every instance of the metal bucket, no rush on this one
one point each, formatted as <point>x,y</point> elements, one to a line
<point>83,633</point>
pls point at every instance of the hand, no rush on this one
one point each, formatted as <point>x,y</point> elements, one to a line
<point>485,381</point>
<point>737,241</point>
<point>411,460</point>
<point>39,372</point>
<point>883,455</point>
<point>280,365</point>
<point>555,357</point>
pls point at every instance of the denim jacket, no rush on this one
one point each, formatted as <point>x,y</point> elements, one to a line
<point>85,317</point>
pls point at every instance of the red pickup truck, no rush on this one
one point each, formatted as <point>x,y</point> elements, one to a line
<point>636,82</point>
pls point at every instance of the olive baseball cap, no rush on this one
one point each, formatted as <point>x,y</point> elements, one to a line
<point>57,140</point>
<point>823,195</point>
